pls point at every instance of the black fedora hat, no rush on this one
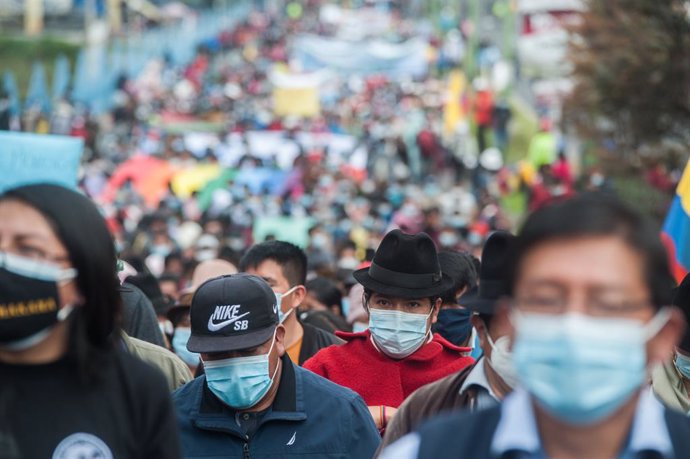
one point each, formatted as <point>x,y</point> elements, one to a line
<point>493,283</point>
<point>405,265</point>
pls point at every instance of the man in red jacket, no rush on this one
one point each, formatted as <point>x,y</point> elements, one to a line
<point>398,353</point>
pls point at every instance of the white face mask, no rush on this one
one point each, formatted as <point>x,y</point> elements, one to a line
<point>502,360</point>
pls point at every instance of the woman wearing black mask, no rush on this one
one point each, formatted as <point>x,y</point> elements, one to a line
<point>66,387</point>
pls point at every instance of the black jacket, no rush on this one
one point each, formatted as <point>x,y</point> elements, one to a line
<point>313,340</point>
<point>138,316</point>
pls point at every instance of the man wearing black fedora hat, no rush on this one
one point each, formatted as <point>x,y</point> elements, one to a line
<point>252,400</point>
<point>492,377</point>
<point>398,353</point>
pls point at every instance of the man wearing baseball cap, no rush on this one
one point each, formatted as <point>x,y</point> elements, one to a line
<point>253,401</point>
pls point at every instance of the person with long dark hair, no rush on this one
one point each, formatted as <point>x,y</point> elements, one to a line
<point>67,386</point>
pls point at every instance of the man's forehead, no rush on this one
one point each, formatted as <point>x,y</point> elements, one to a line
<point>398,298</point>
<point>227,354</point>
<point>548,284</point>
<point>269,269</point>
<point>595,261</point>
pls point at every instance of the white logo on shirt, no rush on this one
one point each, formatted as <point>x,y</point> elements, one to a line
<point>292,440</point>
<point>81,445</point>
<point>227,314</point>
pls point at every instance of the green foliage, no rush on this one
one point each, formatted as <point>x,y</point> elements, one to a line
<point>635,191</point>
<point>18,54</point>
<point>523,126</point>
<point>632,75</point>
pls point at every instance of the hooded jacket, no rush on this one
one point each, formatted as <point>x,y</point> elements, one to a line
<point>379,379</point>
<point>310,417</point>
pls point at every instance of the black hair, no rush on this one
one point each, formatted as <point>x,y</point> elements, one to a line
<point>168,277</point>
<point>460,267</point>
<point>486,318</point>
<point>326,291</point>
<point>83,231</point>
<point>598,214</point>
<point>369,254</point>
<point>173,256</point>
<point>147,283</point>
<point>476,262</point>
<point>368,292</point>
<point>292,259</point>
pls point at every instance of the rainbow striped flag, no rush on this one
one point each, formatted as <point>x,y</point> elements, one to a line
<point>676,231</point>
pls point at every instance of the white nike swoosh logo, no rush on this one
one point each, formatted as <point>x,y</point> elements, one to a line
<point>216,327</point>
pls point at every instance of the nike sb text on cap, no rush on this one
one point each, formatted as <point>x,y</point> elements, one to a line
<point>232,312</point>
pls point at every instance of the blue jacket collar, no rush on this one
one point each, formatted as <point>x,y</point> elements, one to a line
<point>209,413</point>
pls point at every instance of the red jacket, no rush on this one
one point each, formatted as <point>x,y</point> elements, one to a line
<point>380,380</point>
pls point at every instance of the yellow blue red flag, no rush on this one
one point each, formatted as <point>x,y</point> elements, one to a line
<point>676,230</point>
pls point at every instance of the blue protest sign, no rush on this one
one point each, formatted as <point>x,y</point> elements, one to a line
<point>31,158</point>
<point>10,84</point>
<point>38,90</point>
<point>61,77</point>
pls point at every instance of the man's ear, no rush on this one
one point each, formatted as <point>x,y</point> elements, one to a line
<point>661,347</point>
<point>436,309</point>
<point>501,323</point>
<point>280,340</point>
<point>480,326</point>
<point>298,296</point>
<point>461,292</point>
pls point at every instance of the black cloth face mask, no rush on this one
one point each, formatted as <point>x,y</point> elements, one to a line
<point>29,300</point>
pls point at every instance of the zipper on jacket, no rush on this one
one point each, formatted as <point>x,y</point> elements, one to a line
<point>245,448</point>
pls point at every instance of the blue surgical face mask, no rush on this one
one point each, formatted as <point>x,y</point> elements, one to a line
<point>179,345</point>
<point>279,301</point>
<point>454,325</point>
<point>240,382</point>
<point>581,369</point>
<point>345,302</point>
<point>398,334</point>
<point>683,365</point>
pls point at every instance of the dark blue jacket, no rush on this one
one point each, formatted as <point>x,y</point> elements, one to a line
<point>310,417</point>
<point>469,435</point>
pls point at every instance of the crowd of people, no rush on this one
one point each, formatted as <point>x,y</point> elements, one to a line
<point>581,331</point>
<point>415,173</point>
<point>414,321</point>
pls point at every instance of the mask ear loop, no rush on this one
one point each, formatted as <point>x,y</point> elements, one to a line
<point>67,275</point>
<point>651,329</point>
<point>659,321</point>
<point>275,372</point>
<point>280,302</point>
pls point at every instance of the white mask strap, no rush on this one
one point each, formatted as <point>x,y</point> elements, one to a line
<point>659,321</point>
